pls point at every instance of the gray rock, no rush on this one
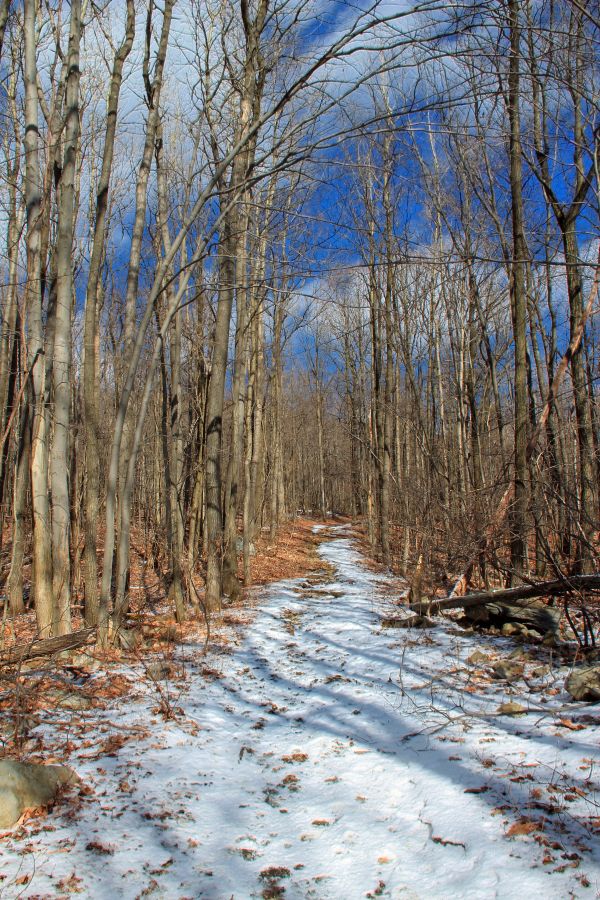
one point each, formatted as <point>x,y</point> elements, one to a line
<point>477,657</point>
<point>541,671</point>
<point>584,684</point>
<point>511,709</point>
<point>86,661</point>
<point>72,701</point>
<point>507,670</point>
<point>158,671</point>
<point>26,786</point>
<point>531,634</point>
<point>130,638</point>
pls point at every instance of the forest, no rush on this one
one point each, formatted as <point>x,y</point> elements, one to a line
<point>299,277</point>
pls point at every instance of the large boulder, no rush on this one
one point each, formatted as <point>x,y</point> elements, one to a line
<point>25,786</point>
<point>584,684</point>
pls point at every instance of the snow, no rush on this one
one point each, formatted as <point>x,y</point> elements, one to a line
<point>328,758</point>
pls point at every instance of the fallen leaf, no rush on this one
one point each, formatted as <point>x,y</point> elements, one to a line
<point>568,723</point>
<point>525,826</point>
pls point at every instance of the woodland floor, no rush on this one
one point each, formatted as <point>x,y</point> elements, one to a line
<point>311,754</point>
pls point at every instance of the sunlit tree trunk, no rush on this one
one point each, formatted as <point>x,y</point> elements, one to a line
<point>61,371</point>
<point>42,537</point>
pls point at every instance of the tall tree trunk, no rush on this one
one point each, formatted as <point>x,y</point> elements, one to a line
<point>518,301</point>
<point>238,272</point>
<point>42,545</point>
<point>61,371</point>
<point>277,481</point>
<point>251,89</point>
<point>172,443</point>
<point>90,335</point>
<point>585,440</point>
<point>253,484</point>
<point>153,92</point>
<point>9,341</point>
<point>213,444</point>
<point>385,448</point>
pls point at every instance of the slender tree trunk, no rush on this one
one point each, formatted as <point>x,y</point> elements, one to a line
<point>153,92</point>
<point>195,528</point>
<point>214,432</point>
<point>253,485</point>
<point>519,561</point>
<point>585,441</point>
<point>61,371</point>
<point>238,272</point>
<point>90,335</point>
<point>42,546</point>
<point>386,413</point>
<point>171,391</point>
<point>277,481</point>
<point>252,85</point>
<point>9,343</point>
<point>248,452</point>
<point>14,582</point>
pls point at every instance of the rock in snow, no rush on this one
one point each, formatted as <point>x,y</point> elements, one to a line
<point>508,670</point>
<point>26,786</point>
<point>584,684</point>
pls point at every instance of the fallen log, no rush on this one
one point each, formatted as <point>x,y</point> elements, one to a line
<point>516,595</point>
<point>46,647</point>
<point>534,616</point>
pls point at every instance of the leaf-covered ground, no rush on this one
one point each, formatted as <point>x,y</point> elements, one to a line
<point>310,754</point>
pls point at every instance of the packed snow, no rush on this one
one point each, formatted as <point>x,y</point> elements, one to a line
<point>321,756</point>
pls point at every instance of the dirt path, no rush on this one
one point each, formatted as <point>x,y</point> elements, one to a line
<point>304,766</point>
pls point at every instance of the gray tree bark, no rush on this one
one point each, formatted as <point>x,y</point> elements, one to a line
<point>42,545</point>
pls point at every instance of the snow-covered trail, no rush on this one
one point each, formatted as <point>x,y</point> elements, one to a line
<point>298,779</point>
